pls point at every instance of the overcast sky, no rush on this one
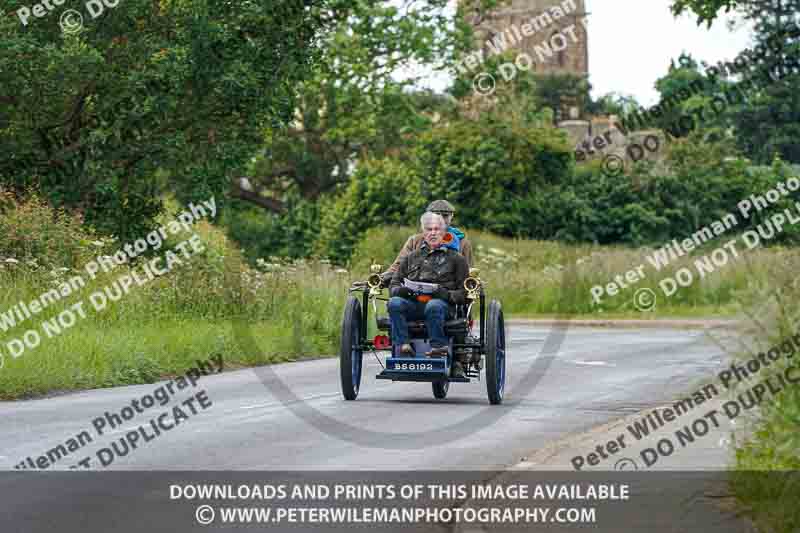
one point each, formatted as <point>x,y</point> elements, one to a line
<point>631,43</point>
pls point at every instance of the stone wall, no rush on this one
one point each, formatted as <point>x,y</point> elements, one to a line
<point>612,141</point>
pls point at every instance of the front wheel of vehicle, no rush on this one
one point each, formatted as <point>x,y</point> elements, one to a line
<point>350,352</point>
<point>495,353</point>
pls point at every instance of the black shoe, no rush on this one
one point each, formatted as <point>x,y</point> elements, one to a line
<point>457,371</point>
<point>438,351</point>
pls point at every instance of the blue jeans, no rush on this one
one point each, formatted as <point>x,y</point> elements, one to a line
<point>434,312</point>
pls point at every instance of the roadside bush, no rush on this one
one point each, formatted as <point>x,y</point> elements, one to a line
<point>381,244</point>
<point>264,234</point>
<point>380,192</point>
<point>649,206</point>
<point>490,168</point>
<point>31,231</point>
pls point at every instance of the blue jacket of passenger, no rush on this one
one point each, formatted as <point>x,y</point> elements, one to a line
<point>455,240</point>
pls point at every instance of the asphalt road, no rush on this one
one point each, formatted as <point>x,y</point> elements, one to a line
<point>292,416</point>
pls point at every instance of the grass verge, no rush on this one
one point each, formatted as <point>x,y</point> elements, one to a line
<point>766,473</point>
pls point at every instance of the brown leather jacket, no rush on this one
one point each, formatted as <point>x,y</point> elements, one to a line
<point>443,266</point>
<point>415,241</point>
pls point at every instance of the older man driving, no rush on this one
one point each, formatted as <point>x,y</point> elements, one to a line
<point>459,242</point>
<point>434,263</point>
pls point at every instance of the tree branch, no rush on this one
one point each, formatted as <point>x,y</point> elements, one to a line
<point>255,198</point>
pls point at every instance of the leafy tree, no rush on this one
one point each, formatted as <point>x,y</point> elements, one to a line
<point>649,206</point>
<point>768,123</point>
<point>382,191</point>
<point>489,168</point>
<point>613,104</point>
<point>706,10</point>
<point>687,92</point>
<point>679,81</point>
<point>765,121</point>
<point>357,104</point>
<point>183,86</point>
<point>262,234</point>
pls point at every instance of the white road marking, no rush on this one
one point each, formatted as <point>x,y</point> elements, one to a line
<point>122,430</point>
<point>306,398</point>
<point>255,406</point>
<point>593,363</point>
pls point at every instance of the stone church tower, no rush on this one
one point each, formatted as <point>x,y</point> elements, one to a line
<point>543,30</point>
<point>537,27</point>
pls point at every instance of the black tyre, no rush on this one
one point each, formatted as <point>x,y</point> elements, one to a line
<point>440,389</point>
<point>350,353</point>
<point>495,353</point>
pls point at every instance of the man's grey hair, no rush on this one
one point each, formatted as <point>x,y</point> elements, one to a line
<point>430,217</point>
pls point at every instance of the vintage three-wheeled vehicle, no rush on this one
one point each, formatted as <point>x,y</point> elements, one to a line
<point>479,347</point>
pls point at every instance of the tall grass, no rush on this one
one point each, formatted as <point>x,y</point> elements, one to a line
<point>548,278</point>
<point>766,479</point>
<point>162,327</point>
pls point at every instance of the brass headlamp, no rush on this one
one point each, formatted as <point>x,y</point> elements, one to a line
<point>473,283</point>
<point>374,279</point>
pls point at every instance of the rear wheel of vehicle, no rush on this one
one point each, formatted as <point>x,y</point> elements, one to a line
<point>350,352</point>
<point>495,353</point>
<point>440,389</point>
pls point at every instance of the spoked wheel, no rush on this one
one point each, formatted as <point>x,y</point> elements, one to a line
<point>350,353</point>
<point>440,389</point>
<point>495,353</point>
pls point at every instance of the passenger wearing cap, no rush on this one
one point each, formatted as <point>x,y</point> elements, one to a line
<point>454,238</point>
